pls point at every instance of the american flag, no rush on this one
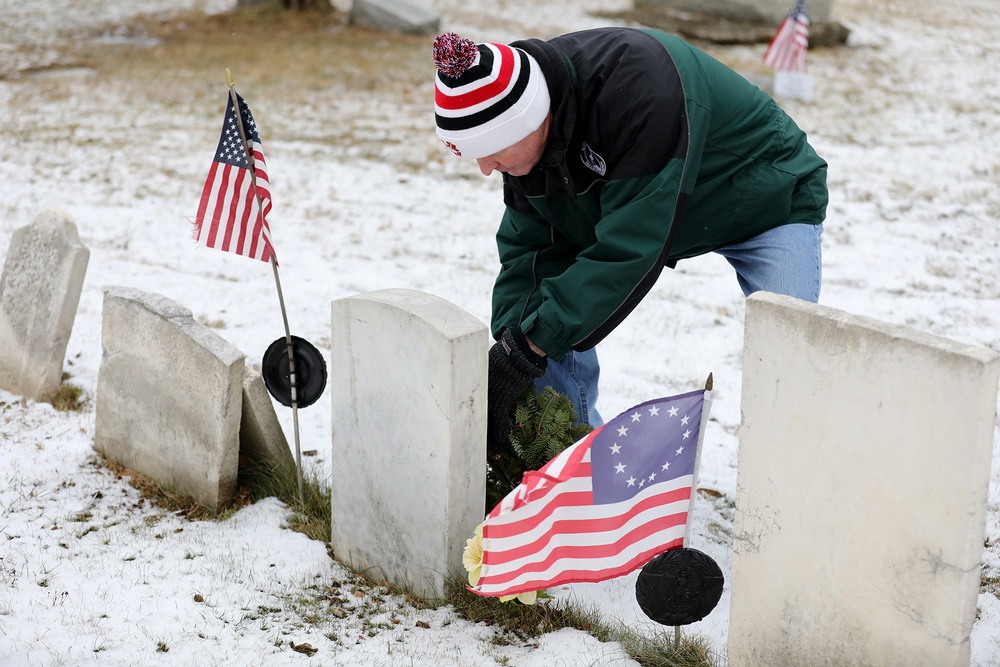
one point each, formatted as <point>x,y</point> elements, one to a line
<point>230,217</point>
<point>601,508</point>
<point>787,50</point>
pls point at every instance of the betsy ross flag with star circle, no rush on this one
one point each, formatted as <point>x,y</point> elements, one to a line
<point>601,508</point>
<point>649,443</point>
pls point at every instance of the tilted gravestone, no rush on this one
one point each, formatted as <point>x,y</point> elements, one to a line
<point>262,442</point>
<point>408,384</point>
<point>39,295</point>
<point>169,396</point>
<point>862,485</point>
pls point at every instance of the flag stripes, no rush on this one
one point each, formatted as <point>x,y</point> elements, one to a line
<point>550,531</point>
<point>570,542</point>
<point>787,50</point>
<point>235,201</point>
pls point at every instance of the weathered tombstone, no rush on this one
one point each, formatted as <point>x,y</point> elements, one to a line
<point>751,11</point>
<point>39,294</point>
<point>737,21</point>
<point>169,396</point>
<point>861,498</point>
<point>408,378</point>
<point>394,16</point>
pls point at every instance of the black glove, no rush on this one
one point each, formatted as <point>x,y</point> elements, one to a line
<point>513,365</point>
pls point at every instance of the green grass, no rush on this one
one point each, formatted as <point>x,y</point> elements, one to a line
<point>254,482</point>
<point>518,624</point>
<point>515,623</point>
<point>311,514</point>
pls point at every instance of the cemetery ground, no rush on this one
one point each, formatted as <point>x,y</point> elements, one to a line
<point>113,117</point>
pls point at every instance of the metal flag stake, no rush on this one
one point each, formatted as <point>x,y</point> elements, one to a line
<point>282,372</point>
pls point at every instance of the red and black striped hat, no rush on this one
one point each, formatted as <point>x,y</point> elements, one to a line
<point>488,96</point>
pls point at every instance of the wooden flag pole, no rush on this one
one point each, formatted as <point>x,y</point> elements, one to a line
<point>277,283</point>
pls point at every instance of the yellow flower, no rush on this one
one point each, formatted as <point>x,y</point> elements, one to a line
<point>524,598</point>
<point>472,557</point>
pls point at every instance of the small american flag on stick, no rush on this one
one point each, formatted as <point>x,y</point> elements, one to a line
<point>601,508</point>
<point>232,215</point>
<point>787,50</point>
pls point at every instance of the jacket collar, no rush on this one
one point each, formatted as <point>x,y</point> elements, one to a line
<point>560,78</point>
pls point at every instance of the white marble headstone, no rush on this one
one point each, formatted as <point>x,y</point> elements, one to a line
<point>408,384</point>
<point>862,482</point>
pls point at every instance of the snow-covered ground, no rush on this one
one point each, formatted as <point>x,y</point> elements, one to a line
<point>906,115</point>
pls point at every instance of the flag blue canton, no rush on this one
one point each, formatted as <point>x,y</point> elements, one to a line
<point>652,443</point>
<point>230,150</point>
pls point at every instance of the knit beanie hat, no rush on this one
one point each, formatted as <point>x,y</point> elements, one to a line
<point>488,97</point>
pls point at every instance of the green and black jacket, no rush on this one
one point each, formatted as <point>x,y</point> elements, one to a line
<point>656,152</point>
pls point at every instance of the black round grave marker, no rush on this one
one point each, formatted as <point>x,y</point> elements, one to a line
<point>310,372</point>
<point>679,586</point>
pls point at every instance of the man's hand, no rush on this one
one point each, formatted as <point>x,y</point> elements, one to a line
<point>513,364</point>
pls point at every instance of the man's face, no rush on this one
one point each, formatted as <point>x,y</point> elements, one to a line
<point>518,160</point>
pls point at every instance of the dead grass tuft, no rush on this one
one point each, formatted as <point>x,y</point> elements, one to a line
<point>293,56</point>
<point>170,498</point>
<point>311,515</point>
<point>520,624</point>
<point>310,78</point>
<point>69,397</point>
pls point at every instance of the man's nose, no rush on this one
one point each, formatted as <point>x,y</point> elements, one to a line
<point>487,165</point>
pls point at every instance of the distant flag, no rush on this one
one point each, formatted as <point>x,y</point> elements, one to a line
<point>601,508</point>
<point>787,50</point>
<point>232,215</point>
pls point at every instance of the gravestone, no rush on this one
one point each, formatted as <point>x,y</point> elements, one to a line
<point>169,396</point>
<point>864,464</point>
<point>750,11</point>
<point>262,441</point>
<point>394,16</point>
<point>408,384</point>
<point>39,294</point>
<point>737,21</point>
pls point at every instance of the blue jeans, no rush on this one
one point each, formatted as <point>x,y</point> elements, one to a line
<point>575,375</point>
<point>783,260</point>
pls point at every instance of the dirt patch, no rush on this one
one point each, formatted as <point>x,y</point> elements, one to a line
<point>309,77</point>
<point>287,54</point>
